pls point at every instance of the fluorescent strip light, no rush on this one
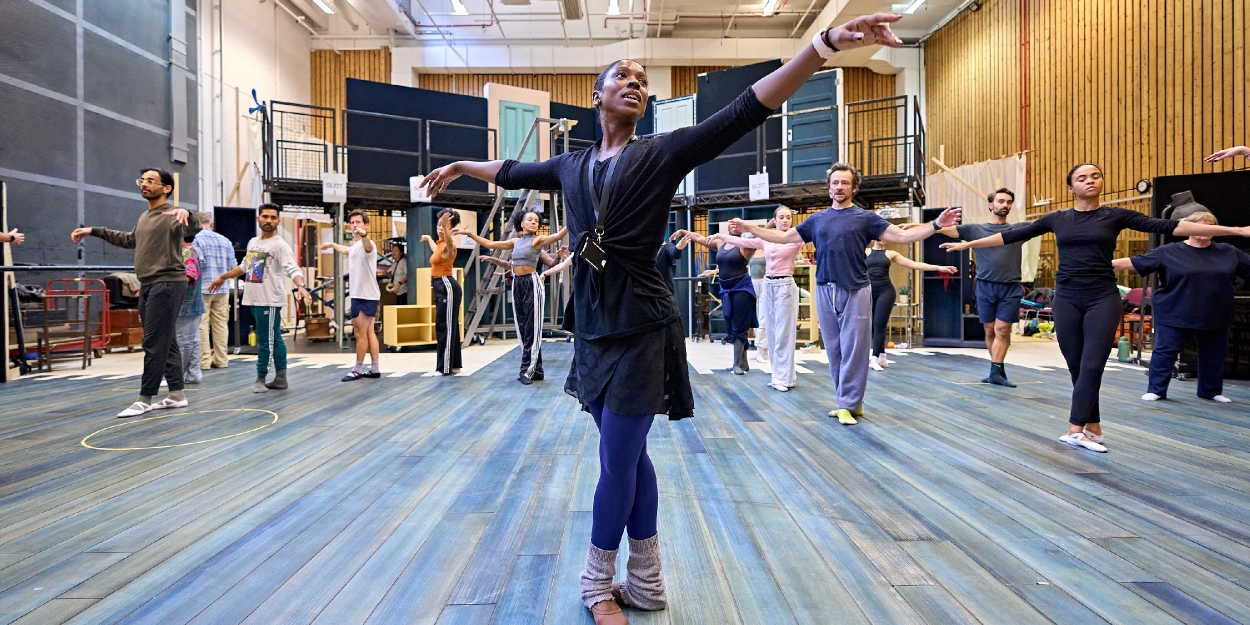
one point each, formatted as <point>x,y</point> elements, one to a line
<point>911,7</point>
<point>771,5</point>
<point>614,7</point>
<point>458,8</point>
<point>323,6</point>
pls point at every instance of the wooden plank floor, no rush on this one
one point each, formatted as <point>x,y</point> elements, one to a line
<point>468,500</point>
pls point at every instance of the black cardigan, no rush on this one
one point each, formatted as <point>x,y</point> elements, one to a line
<point>629,296</point>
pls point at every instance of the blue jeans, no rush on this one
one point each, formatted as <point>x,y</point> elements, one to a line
<point>1212,349</point>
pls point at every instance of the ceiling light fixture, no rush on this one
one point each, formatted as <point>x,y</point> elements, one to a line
<point>323,6</point>
<point>457,8</point>
<point>614,7</point>
<point>912,6</point>
<point>769,7</point>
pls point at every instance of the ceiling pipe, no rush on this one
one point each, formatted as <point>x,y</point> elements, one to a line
<point>301,19</point>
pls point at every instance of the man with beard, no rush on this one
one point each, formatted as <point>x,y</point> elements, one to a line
<point>157,242</point>
<point>998,289</point>
<point>268,263</point>
<point>843,291</point>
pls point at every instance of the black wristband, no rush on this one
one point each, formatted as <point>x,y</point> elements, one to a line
<point>824,36</point>
<point>936,227</point>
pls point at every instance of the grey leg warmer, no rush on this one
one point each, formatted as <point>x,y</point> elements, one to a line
<point>596,579</point>
<point>644,585</point>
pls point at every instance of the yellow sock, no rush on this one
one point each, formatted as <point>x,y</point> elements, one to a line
<point>845,417</point>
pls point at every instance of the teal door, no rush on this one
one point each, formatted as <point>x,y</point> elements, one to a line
<point>813,137</point>
<point>515,120</point>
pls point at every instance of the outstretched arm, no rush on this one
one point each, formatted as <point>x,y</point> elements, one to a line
<point>904,261</point>
<point>429,240</point>
<point>993,240</point>
<point>774,89</point>
<point>342,249</point>
<point>1240,150</point>
<point>557,268</point>
<point>548,239</point>
<point>1195,229</point>
<point>1123,264</point>
<point>768,234</point>
<point>502,264</point>
<point>686,235</point>
<point>486,243</point>
<point>947,219</point>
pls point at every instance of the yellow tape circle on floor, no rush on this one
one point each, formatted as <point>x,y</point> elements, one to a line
<point>179,414</point>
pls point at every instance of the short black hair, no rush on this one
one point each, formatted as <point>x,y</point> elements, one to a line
<point>1078,166</point>
<point>518,217</point>
<point>167,179</point>
<point>455,217</point>
<point>361,214</point>
<point>841,166</point>
<point>268,206</point>
<point>993,195</point>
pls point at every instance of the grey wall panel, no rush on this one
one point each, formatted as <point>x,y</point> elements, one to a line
<point>144,23</point>
<point>116,213</point>
<point>37,134</point>
<point>188,178</point>
<point>116,151</point>
<point>193,111</point>
<point>121,81</point>
<point>46,214</point>
<point>193,51</point>
<point>37,46</point>
<point>69,6</point>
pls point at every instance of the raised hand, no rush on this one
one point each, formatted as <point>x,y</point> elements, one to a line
<point>679,234</point>
<point>455,232</point>
<point>180,215</point>
<point>956,246</point>
<point>737,226</point>
<point>79,234</point>
<point>15,237</point>
<point>950,217</point>
<point>426,237</point>
<point>1240,150</point>
<point>438,179</point>
<point>865,31</point>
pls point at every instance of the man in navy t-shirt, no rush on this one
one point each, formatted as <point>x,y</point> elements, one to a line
<point>843,293</point>
<point>998,289</point>
<point>1194,301</point>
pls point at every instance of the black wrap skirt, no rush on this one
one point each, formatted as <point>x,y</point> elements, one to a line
<point>642,374</point>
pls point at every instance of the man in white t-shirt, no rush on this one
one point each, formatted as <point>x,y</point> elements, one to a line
<point>362,279</point>
<point>264,270</point>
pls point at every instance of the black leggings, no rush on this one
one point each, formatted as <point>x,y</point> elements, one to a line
<point>1086,326</point>
<point>882,305</point>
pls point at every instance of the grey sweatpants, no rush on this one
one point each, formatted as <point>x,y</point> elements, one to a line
<point>846,327</point>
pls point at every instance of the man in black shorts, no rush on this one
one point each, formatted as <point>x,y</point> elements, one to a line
<point>998,282</point>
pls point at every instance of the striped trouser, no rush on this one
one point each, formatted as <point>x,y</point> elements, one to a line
<point>447,296</point>
<point>527,312</point>
<point>269,344</point>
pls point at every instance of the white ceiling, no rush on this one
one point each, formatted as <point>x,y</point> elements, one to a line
<point>528,22</point>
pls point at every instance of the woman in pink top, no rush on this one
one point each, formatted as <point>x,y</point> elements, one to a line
<point>779,299</point>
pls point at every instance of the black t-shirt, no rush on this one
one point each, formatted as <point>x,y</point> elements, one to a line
<point>666,260</point>
<point>1086,241</point>
<point>1196,283</point>
<point>841,236</point>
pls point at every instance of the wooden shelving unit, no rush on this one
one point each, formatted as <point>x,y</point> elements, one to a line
<point>413,325</point>
<point>808,329</point>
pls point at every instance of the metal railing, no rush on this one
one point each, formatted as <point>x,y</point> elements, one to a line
<point>299,141</point>
<point>886,136</point>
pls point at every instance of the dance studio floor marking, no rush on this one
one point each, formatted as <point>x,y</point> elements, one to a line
<point>133,422</point>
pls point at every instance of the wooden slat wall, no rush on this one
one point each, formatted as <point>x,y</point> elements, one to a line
<point>1142,87</point>
<point>571,89</point>
<point>330,71</point>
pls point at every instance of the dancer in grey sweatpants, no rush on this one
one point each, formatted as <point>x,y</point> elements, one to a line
<point>843,293</point>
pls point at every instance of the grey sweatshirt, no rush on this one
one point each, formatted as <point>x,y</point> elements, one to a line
<point>157,242</point>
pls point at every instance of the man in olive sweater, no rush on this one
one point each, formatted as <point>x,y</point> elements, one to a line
<point>157,242</point>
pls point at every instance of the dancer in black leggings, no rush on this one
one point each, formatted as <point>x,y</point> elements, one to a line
<point>1087,305</point>
<point>879,261</point>
<point>630,351</point>
<point>737,292</point>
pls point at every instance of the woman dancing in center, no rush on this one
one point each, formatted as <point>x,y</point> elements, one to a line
<point>1087,306</point>
<point>779,297</point>
<point>527,288</point>
<point>630,349</point>
<point>737,292</point>
<point>879,261</point>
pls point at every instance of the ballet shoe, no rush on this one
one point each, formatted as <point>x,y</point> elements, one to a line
<point>608,613</point>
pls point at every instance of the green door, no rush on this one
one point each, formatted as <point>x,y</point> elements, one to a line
<point>515,120</point>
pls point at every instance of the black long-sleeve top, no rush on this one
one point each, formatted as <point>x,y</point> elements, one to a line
<point>629,295</point>
<point>1086,241</point>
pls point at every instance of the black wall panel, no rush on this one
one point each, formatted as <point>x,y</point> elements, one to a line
<point>37,134</point>
<point>46,214</point>
<point>48,64</point>
<point>454,143</point>
<point>117,79</point>
<point>731,169</point>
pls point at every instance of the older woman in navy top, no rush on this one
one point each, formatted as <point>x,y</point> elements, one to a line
<point>630,355</point>
<point>1194,301</point>
<point>1087,305</point>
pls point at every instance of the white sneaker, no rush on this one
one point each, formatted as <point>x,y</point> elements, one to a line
<point>1150,397</point>
<point>1222,399</point>
<point>136,409</point>
<point>779,387</point>
<point>876,366</point>
<point>1097,438</point>
<point>1079,439</point>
